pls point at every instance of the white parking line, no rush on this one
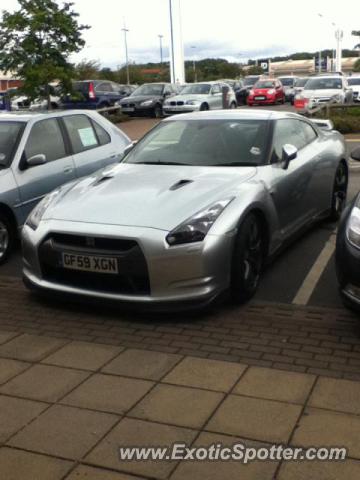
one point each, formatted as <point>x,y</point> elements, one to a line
<point>312,278</point>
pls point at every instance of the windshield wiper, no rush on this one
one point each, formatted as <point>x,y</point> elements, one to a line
<point>234,164</point>
<point>160,163</point>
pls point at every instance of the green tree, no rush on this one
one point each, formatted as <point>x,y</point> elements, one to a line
<point>87,69</point>
<point>255,70</point>
<point>36,42</point>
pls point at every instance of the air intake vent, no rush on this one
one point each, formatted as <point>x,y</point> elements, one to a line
<point>180,183</point>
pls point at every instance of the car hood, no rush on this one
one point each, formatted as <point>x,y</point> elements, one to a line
<point>322,93</point>
<point>155,196</point>
<point>188,96</point>
<point>139,98</point>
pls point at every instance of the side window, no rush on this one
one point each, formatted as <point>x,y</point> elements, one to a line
<point>287,131</point>
<point>102,134</point>
<point>46,138</point>
<point>81,132</point>
<point>103,87</point>
<point>216,89</point>
<point>168,90</point>
<point>307,132</point>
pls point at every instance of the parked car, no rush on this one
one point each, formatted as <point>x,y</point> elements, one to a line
<point>347,255</point>
<point>354,83</point>
<point>201,96</point>
<point>323,89</point>
<point>236,85</point>
<point>266,92</point>
<point>39,152</point>
<point>243,92</point>
<point>41,103</point>
<point>148,99</point>
<point>201,203</point>
<point>288,83</point>
<point>299,87</point>
<point>93,94</point>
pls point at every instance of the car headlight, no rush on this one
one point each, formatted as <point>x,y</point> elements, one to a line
<point>251,92</point>
<point>353,227</point>
<point>195,228</point>
<point>271,91</point>
<point>36,215</point>
<point>146,103</point>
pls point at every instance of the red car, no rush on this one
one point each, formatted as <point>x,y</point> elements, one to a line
<point>266,92</point>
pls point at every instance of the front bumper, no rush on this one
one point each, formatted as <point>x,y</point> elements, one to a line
<point>189,274</point>
<point>266,101</point>
<point>174,109</point>
<point>138,109</point>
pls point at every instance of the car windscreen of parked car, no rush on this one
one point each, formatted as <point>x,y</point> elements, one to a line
<point>9,136</point>
<point>149,89</point>
<point>264,84</point>
<point>354,81</point>
<point>203,143</point>
<point>287,82</point>
<point>196,89</point>
<point>323,84</point>
<point>301,82</point>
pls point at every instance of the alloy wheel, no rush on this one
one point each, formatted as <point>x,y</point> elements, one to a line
<point>4,239</point>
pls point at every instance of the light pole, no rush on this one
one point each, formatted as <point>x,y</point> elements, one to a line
<point>161,50</point>
<point>125,30</point>
<point>339,36</point>
<point>194,65</point>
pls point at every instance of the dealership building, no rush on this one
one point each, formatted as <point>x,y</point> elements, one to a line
<point>307,67</point>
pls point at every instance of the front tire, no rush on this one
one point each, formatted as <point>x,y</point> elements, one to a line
<point>338,199</point>
<point>157,113</point>
<point>7,238</point>
<point>248,259</point>
<point>204,107</point>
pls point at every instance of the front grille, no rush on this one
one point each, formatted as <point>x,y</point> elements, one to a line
<point>173,104</point>
<point>132,279</point>
<point>180,103</point>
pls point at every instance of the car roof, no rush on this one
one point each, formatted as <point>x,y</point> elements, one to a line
<point>27,116</point>
<point>246,114</point>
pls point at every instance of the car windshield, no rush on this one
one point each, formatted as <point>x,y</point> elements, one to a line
<point>196,89</point>
<point>287,82</point>
<point>264,84</point>
<point>9,137</point>
<point>354,81</point>
<point>300,82</point>
<point>250,81</point>
<point>149,89</point>
<point>203,143</point>
<point>324,84</point>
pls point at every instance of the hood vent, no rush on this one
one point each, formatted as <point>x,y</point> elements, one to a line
<point>179,184</point>
<point>102,180</point>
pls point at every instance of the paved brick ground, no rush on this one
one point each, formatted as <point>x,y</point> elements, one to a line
<point>66,407</point>
<point>312,340</point>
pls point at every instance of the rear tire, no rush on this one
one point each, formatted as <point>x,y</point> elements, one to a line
<point>338,199</point>
<point>7,238</point>
<point>248,259</point>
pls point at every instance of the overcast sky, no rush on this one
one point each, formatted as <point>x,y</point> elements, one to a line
<point>232,29</point>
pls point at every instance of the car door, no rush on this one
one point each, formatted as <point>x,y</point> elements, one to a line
<point>44,138</point>
<point>215,99</point>
<point>91,144</point>
<point>292,189</point>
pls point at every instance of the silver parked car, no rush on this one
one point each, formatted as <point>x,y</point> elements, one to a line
<point>200,96</point>
<point>323,89</point>
<point>288,84</point>
<point>195,209</point>
<point>41,151</point>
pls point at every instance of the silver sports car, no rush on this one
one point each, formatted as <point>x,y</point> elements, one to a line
<point>193,210</point>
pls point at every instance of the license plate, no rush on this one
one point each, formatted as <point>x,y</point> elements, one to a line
<point>128,109</point>
<point>90,263</point>
<point>260,98</point>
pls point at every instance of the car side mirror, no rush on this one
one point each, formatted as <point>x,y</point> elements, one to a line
<point>289,152</point>
<point>355,154</point>
<point>129,147</point>
<point>38,159</point>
